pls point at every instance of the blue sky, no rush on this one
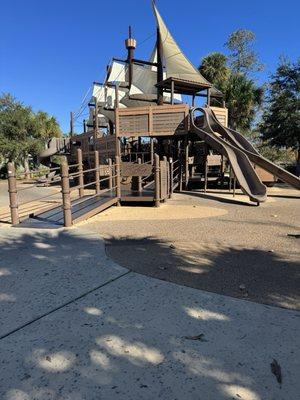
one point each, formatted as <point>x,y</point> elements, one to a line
<point>51,51</point>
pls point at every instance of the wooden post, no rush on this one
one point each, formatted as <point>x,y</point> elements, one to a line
<point>222,171</point>
<point>65,189</point>
<point>71,124</point>
<point>156,181</point>
<point>118,179</point>
<point>171,177</point>
<point>13,193</point>
<point>96,124</point>
<point>172,92</point>
<point>152,150</point>
<point>80,173</point>
<point>117,96</point>
<point>97,171</point>
<point>205,168</point>
<point>110,180</point>
<point>208,97</point>
<point>180,172</point>
<point>234,185</point>
<point>139,182</point>
<point>118,147</point>
<point>186,145</point>
<point>168,175</point>
<point>130,44</point>
<point>160,70</point>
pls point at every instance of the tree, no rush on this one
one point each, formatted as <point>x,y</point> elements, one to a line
<point>242,57</point>
<point>21,131</point>
<point>214,68</point>
<point>231,75</point>
<point>242,96</point>
<point>47,126</point>
<point>242,99</point>
<point>17,129</point>
<point>281,118</point>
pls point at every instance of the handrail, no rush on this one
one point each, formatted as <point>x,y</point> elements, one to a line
<point>74,174</point>
<point>92,183</point>
<point>95,195</point>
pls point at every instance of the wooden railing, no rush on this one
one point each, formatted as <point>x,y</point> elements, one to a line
<point>158,180</point>
<point>102,173</point>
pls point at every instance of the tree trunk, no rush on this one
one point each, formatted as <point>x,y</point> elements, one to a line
<point>298,162</point>
<point>26,167</point>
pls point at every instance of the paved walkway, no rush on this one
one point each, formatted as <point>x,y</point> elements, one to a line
<point>237,250</point>
<point>76,326</point>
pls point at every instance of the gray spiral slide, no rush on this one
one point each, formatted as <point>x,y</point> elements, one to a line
<point>240,163</point>
<point>238,140</point>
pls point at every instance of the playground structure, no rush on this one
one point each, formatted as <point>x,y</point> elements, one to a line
<point>142,142</point>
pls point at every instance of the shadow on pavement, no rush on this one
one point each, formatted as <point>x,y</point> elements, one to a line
<point>251,274</point>
<point>134,338</point>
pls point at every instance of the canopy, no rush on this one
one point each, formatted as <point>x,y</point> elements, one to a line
<point>177,64</point>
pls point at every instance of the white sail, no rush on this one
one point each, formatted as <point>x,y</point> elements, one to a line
<point>145,79</point>
<point>176,63</point>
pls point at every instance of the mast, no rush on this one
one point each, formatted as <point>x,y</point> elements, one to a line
<point>130,44</point>
<point>160,70</point>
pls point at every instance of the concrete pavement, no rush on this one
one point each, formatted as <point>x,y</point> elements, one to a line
<point>107,333</point>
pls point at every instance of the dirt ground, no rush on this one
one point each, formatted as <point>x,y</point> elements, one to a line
<point>214,242</point>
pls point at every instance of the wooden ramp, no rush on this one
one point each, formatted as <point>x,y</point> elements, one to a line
<point>82,209</point>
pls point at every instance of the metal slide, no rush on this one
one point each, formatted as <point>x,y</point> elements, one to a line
<point>240,163</point>
<point>238,140</point>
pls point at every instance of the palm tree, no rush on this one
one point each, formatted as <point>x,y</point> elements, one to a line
<point>213,67</point>
<point>242,99</point>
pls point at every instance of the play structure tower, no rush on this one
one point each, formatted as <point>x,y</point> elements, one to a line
<point>164,143</point>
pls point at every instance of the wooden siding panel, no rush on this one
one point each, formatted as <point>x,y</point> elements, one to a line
<point>152,121</point>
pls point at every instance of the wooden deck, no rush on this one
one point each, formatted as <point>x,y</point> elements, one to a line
<point>82,209</point>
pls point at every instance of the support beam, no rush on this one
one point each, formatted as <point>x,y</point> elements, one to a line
<point>116,96</point>
<point>110,172</point>
<point>130,44</point>
<point>96,122</point>
<point>208,96</point>
<point>171,177</point>
<point>152,150</point>
<point>118,179</point>
<point>160,70</point>
<point>71,123</point>
<point>156,181</point>
<point>172,92</point>
<point>205,167</point>
<point>97,171</point>
<point>13,193</point>
<point>65,189</point>
<point>186,167</point>
<point>80,173</point>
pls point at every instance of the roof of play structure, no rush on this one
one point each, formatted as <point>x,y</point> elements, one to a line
<point>179,72</point>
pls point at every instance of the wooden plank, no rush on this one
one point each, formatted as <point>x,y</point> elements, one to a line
<point>133,169</point>
<point>167,120</point>
<point>221,114</point>
<point>163,180</point>
<point>95,210</point>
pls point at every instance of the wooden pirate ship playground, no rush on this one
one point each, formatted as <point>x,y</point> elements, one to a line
<point>142,141</point>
